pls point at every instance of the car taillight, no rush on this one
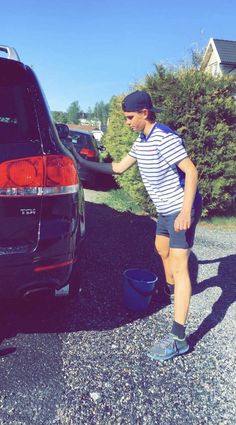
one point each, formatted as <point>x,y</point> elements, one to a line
<point>40,175</point>
<point>21,173</point>
<point>60,171</point>
<point>88,153</point>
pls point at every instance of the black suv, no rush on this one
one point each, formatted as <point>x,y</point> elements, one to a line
<point>41,198</point>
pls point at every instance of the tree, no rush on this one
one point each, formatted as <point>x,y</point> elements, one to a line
<point>73,112</point>
<point>197,57</point>
<point>90,113</point>
<point>100,112</point>
<point>60,116</point>
<point>202,109</point>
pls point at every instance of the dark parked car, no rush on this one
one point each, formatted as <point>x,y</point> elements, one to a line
<point>41,198</point>
<point>88,147</point>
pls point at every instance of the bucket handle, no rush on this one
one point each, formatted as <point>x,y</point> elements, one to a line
<point>145,294</point>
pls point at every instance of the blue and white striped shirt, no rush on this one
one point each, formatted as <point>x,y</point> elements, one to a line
<point>157,156</point>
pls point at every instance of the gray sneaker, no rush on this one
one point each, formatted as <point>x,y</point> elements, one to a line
<point>167,348</point>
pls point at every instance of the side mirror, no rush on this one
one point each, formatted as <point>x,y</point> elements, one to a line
<point>102,148</point>
<point>63,130</point>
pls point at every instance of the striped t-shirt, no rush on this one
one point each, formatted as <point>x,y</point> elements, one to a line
<point>157,156</point>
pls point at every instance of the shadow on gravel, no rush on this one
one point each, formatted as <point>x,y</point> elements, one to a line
<point>115,241</point>
<point>225,280</point>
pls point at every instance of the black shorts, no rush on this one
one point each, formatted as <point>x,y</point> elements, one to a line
<point>184,238</point>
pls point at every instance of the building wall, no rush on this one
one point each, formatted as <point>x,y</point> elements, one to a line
<point>213,65</point>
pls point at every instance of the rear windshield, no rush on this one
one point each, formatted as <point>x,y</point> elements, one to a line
<point>82,140</point>
<point>17,115</point>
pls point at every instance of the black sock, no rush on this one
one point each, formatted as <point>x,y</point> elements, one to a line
<point>171,288</point>
<point>178,330</point>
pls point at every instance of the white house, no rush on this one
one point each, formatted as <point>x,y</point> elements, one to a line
<point>219,57</point>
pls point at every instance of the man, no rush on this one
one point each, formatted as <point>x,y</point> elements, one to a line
<point>170,178</point>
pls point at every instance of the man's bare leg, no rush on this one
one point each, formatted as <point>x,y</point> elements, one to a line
<point>183,289</point>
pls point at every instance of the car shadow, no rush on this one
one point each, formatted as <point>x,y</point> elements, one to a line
<point>115,241</point>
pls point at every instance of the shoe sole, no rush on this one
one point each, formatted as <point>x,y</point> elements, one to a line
<point>171,356</point>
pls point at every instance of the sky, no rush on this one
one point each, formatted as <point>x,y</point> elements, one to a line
<point>90,50</point>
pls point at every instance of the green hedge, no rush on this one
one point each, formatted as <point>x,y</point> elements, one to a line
<point>202,110</point>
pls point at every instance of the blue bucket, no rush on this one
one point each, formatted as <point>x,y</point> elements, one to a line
<point>138,288</point>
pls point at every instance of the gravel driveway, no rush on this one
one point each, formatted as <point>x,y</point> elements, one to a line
<point>86,361</point>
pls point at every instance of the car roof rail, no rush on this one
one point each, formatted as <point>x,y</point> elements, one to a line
<point>11,52</point>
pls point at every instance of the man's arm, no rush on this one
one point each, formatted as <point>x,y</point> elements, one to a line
<point>183,221</point>
<point>104,167</point>
<point>122,166</point>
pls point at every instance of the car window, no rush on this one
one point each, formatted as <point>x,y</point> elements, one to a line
<point>81,139</point>
<point>17,116</point>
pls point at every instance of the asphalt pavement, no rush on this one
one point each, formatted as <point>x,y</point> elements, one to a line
<point>83,361</point>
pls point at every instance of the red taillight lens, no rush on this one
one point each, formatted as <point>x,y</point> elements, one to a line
<point>26,172</point>
<point>60,171</point>
<point>38,172</point>
<point>88,153</point>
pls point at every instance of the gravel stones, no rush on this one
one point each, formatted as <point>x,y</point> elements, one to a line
<point>108,358</point>
<point>96,350</point>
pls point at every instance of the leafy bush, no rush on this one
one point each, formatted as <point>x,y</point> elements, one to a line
<point>202,109</point>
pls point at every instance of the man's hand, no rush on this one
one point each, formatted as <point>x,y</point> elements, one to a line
<point>182,221</point>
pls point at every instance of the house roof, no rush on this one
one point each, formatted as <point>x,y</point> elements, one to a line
<point>226,50</point>
<point>82,127</point>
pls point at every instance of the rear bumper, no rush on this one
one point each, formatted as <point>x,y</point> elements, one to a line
<point>18,280</point>
<point>49,265</point>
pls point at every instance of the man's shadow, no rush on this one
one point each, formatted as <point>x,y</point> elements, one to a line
<point>226,281</point>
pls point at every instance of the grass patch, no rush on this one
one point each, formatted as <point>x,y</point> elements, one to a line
<point>223,222</point>
<point>119,200</point>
